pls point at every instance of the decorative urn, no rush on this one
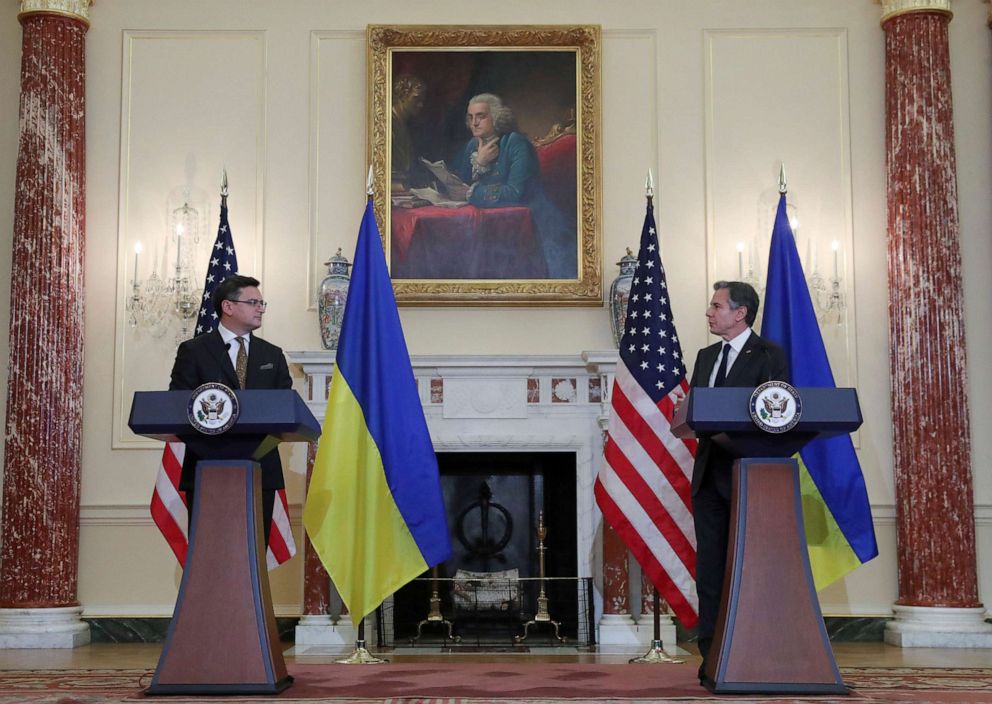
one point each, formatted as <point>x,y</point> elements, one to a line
<point>331,299</point>
<point>620,294</point>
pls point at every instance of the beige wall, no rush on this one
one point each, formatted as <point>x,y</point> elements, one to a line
<point>710,95</point>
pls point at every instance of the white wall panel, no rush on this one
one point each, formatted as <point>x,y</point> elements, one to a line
<point>192,104</point>
<point>337,175</point>
<point>772,97</point>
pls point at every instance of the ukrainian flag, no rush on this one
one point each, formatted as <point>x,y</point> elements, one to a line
<point>374,510</point>
<point>840,534</point>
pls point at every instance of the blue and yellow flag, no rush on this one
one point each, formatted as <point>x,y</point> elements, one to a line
<point>374,510</point>
<point>840,534</point>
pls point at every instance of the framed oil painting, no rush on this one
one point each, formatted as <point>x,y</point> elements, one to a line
<point>487,142</point>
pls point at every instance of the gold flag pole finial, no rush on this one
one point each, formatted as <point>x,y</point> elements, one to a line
<point>368,184</point>
<point>649,185</point>
<point>782,188</point>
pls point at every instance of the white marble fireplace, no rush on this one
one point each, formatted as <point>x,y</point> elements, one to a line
<point>509,403</point>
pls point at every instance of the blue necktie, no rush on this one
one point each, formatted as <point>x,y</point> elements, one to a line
<point>721,373</point>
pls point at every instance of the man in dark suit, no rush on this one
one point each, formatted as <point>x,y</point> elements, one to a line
<point>233,356</point>
<point>741,358</point>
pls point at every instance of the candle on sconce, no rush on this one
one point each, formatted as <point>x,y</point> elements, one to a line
<point>179,247</point>
<point>740,260</point>
<point>137,251</point>
<point>835,245</point>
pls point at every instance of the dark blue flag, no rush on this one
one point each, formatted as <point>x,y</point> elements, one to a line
<point>840,534</point>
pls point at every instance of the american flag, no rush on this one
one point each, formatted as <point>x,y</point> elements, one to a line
<point>644,485</point>
<point>168,507</point>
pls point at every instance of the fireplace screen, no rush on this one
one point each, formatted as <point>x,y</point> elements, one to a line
<point>512,518</point>
<point>504,612</point>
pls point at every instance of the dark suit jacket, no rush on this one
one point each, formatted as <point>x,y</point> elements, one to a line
<point>759,361</point>
<point>204,359</point>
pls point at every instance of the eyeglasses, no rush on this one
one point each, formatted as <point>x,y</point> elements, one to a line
<point>252,302</point>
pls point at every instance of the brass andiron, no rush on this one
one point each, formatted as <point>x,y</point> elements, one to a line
<point>657,655</point>
<point>434,615</point>
<point>542,615</point>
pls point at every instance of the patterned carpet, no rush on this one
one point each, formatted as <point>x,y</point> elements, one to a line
<point>494,684</point>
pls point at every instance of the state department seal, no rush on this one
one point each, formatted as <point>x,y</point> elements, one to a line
<point>776,407</point>
<point>213,408</point>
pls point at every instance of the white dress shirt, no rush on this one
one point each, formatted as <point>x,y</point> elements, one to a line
<point>736,345</point>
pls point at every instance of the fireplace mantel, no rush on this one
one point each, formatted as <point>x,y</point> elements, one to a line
<point>514,403</point>
<point>508,403</point>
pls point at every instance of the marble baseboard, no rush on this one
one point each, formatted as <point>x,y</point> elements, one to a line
<point>856,629</point>
<point>841,629</point>
<point>153,630</point>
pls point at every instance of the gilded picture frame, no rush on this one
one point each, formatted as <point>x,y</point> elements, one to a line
<point>505,211</point>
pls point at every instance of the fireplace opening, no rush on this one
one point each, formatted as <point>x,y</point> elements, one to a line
<point>497,504</point>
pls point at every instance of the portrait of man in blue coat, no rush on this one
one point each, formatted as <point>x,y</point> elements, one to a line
<point>500,168</point>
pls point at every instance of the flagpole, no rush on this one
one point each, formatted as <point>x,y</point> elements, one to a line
<point>361,655</point>
<point>656,654</point>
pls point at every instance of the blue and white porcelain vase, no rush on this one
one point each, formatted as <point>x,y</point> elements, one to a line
<point>620,294</point>
<point>331,299</point>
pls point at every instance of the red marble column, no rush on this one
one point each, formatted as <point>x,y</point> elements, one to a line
<point>647,599</point>
<point>935,516</point>
<point>38,558</point>
<point>616,578</point>
<point>316,583</point>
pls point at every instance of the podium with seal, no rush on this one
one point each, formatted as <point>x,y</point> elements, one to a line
<point>770,636</point>
<point>223,638</point>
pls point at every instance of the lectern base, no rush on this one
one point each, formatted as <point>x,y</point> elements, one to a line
<point>773,688</point>
<point>223,637</point>
<point>770,635</point>
<point>220,689</point>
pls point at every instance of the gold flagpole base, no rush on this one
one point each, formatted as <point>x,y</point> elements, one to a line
<point>361,656</point>
<point>657,656</point>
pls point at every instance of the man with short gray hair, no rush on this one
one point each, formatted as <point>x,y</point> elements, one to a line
<point>741,358</point>
<point>501,169</point>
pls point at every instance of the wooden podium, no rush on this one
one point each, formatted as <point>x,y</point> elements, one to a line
<point>223,637</point>
<point>770,636</point>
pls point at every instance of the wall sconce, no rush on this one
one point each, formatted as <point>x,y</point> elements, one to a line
<point>747,269</point>
<point>826,293</point>
<point>156,303</point>
<point>828,301</point>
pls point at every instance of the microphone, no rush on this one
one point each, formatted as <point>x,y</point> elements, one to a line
<point>227,346</point>
<point>768,360</point>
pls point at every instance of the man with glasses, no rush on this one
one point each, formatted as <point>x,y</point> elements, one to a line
<point>233,356</point>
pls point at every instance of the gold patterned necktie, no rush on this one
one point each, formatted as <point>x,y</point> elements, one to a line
<point>241,366</point>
